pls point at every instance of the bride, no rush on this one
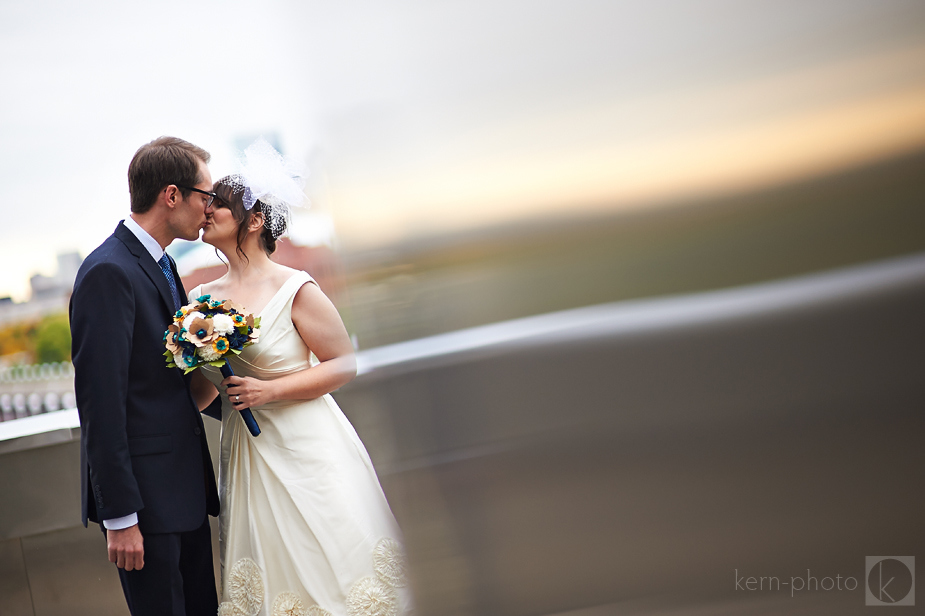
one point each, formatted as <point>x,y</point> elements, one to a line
<point>304,525</point>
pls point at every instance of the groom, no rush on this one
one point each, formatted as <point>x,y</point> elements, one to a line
<point>146,473</point>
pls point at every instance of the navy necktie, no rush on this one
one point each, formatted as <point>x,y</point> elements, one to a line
<point>164,262</point>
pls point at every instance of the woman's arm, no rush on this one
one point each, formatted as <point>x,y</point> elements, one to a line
<point>322,330</point>
<point>203,390</point>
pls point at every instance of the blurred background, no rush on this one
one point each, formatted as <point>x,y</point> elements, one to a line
<point>602,261</point>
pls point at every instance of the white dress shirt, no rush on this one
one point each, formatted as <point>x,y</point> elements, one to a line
<point>145,238</point>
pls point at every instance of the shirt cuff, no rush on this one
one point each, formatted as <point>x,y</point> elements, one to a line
<point>120,523</point>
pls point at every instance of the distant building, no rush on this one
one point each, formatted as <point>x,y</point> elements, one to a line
<point>50,294</point>
<point>62,283</point>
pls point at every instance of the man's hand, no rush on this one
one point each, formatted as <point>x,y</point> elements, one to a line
<point>126,548</point>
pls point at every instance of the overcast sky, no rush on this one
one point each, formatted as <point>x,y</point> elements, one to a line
<point>420,116</point>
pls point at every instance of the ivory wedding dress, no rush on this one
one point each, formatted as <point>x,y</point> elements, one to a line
<point>304,526</point>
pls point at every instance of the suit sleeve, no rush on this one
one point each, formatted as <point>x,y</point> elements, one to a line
<point>214,410</point>
<point>102,325</point>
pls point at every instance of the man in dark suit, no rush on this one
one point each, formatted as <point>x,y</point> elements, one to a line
<point>146,473</point>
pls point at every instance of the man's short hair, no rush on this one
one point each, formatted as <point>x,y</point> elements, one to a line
<point>164,161</point>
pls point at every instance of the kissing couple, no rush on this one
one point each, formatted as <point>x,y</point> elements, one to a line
<point>304,527</point>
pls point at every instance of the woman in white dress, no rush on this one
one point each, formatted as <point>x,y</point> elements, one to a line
<point>304,525</point>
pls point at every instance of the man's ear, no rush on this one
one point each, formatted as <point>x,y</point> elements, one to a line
<point>171,195</point>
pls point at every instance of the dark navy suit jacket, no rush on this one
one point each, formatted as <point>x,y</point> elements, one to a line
<point>142,446</point>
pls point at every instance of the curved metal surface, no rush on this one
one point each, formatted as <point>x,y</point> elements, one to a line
<point>636,457</point>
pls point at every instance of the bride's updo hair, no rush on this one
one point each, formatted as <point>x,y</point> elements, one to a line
<point>235,202</point>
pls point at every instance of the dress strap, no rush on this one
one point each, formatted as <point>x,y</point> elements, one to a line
<point>282,301</point>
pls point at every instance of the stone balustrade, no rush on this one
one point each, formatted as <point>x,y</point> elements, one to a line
<point>28,390</point>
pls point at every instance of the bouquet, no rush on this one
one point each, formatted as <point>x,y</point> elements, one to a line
<point>205,333</point>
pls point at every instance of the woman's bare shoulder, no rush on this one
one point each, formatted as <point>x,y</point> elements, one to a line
<point>214,287</point>
<point>282,273</point>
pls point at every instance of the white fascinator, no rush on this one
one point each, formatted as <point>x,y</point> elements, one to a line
<point>276,181</point>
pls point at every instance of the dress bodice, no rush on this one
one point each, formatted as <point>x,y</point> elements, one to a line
<point>280,349</point>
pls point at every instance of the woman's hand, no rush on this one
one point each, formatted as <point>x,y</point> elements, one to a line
<point>247,392</point>
<point>319,325</point>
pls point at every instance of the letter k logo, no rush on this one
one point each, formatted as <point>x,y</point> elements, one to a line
<point>890,580</point>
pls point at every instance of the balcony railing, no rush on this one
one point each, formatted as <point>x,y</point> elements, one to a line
<point>28,390</point>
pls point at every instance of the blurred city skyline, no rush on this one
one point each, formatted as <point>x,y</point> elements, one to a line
<point>425,118</point>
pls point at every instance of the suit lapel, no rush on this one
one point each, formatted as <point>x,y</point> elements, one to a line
<point>147,263</point>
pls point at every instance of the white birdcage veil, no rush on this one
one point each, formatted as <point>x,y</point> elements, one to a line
<point>275,180</point>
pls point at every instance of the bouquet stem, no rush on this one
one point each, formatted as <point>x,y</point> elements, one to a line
<point>246,414</point>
